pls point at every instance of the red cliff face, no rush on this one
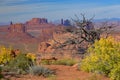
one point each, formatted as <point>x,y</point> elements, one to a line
<point>18,33</point>
<point>18,27</point>
<point>36,21</point>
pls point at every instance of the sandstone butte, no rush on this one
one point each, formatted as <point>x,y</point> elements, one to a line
<point>19,32</point>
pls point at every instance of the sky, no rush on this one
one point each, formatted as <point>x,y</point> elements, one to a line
<point>24,10</point>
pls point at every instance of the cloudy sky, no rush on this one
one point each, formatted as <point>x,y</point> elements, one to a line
<point>23,10</point>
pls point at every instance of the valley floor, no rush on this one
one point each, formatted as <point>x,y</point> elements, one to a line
<point>63,73</point>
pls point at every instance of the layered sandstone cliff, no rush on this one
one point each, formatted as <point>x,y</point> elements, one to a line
<point>18,33</point>
<point>35,21</point>
<point>18,27</point>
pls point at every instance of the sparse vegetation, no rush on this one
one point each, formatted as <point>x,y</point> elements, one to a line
<point>19,65</point>
<point>52,77</point>
<point>1,76</point>
<point>82,41</point>
<point>64,61</point>
<point>5,55</point>
<point>31,56</point>
<point>94,77</point>
<point>41,71</point>
<point>46,62</point>
<point>83,33</point>
<point>68,62</point>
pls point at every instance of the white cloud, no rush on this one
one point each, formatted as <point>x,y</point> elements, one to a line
<point>6,2</point>
<point>23,12</point>
<point>105,11</point>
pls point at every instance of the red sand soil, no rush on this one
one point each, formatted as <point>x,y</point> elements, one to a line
<point>63,73</point>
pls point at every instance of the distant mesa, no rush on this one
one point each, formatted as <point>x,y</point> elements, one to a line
<point>65,22</point>
<point>36,21</point>
<point>34,30</point>
<point>18,33</point>
<point>18,27</point>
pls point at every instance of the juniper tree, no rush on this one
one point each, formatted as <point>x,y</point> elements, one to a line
<point>84,30</point>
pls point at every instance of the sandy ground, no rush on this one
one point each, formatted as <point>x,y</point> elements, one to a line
<point>62,73</point>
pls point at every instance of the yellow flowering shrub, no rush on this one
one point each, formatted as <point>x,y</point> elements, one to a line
<point>31,56</point>
<point>19,64</point>
<point>103,57</point>
<point>5,54</point>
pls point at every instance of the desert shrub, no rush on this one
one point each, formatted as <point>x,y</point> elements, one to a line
<point>31,56</point>
<point>1,76</point>
<point>47,62</point>
<point>94,77</point>
<point>5,55</point>
<point>19,64</point>
<point>115,72</point>
<point>103,57</point>
<point>41,71</point>
<point>65,61</point>
<point>52,77</point>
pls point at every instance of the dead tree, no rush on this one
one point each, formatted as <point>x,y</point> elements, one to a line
<point>84,31</point>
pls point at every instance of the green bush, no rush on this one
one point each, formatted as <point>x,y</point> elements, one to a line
<point>47,62</point>
<point>1,76</point>
<point>19,64</point>
<point>103,57</point>
<point>115,72</point>
<point>52,77</point>
<point>65,61</point>
<point>39,70</point>
<point>68,62</point>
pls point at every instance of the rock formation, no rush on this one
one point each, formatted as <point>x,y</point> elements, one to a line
<point>36,21</point>
<point>48,46</point>
<point>18,27</point>
<point>65,22</point>
<point>45,47</point>
<point>18,33</point>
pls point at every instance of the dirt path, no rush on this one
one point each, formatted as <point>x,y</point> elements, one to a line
<point>64,73</point>
<point>70,73</point>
